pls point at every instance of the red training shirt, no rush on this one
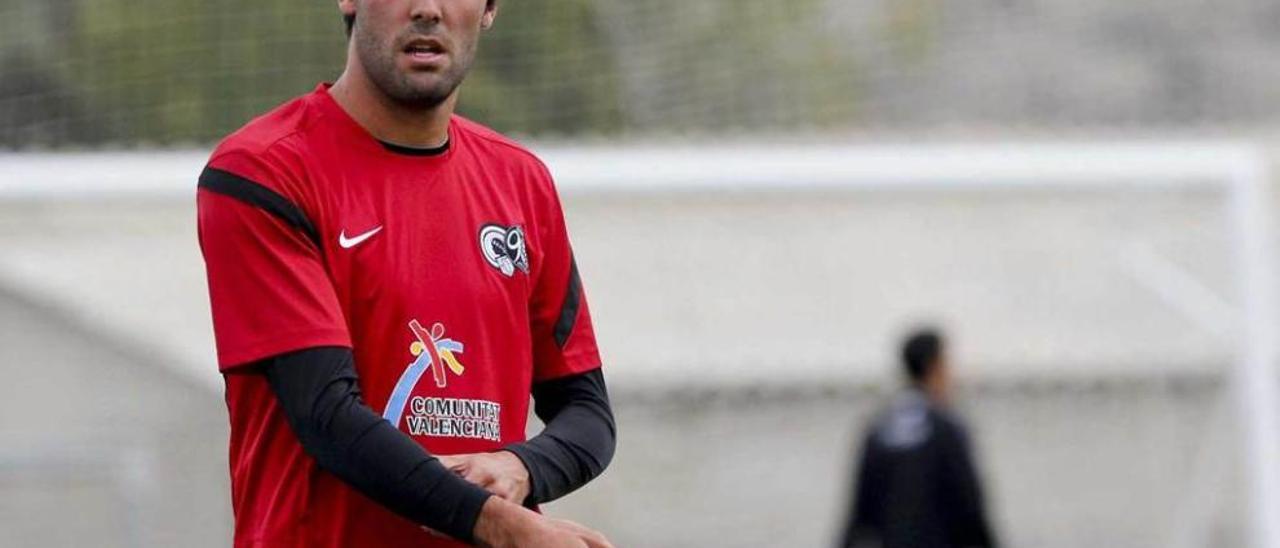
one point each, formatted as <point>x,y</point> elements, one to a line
<point>449,275</point>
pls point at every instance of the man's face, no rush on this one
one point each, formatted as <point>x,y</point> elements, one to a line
<point>417,51</point>
<point>942,375</point>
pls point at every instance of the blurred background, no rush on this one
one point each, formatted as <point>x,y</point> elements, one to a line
<point>763,196</point>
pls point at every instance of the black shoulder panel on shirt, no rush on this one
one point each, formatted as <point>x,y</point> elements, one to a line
<point>259,196</point>
<point>569,309</point>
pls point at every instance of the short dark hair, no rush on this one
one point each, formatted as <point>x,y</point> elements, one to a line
<point>920,352</point>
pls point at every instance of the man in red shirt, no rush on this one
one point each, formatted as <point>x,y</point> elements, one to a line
<point>389,284</point>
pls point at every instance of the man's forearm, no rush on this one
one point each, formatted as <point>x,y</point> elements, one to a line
<point>318,391</point>
<point>578,441</point>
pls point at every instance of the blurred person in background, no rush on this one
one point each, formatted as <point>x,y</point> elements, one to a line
<point>916,486</point>
<point>389,282</point>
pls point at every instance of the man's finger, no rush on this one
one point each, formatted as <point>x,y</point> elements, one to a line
<point>597,541</point>
<point>593,538</point>
<point>503,489</point>
<point>433,532</point>
<point>478,477</point>
<point>453,462</point>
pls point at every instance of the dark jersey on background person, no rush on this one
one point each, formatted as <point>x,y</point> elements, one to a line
<point>444,280</point>
<point>916,482</point>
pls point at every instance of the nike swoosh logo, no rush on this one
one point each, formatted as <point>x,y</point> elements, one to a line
<point>348,243</point>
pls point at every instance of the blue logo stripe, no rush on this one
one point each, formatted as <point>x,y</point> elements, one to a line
<point>400,396</point>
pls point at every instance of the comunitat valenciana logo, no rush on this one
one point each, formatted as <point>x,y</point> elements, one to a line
<point>437,415</point>
<point>431,351</point>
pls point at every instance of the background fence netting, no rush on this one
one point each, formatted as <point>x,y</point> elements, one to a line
<point>169,72</point>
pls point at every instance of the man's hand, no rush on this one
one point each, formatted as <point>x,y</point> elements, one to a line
<point>501,473</point>
<point>506,525</point>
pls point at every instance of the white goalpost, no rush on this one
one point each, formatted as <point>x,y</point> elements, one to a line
<point>1255,371</point>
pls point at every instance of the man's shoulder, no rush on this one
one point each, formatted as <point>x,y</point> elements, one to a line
<point>264,135</point>
<point>271,150</point>
<point>497,146</point>
<point>949,425</point>
<point>904,423</point>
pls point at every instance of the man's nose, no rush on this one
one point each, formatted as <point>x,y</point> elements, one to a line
<point>426,11</point>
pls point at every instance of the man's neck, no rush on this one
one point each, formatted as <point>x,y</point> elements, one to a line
<point>928,393</point>
<point>387,120</point>
<point>935,392</point>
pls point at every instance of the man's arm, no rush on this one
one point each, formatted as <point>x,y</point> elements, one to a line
<point>575,446</point>
<point>864,501</point>
<point>318,391</point>
<point>968,521</point>
<point>578,441</point>
<point>569,392</point>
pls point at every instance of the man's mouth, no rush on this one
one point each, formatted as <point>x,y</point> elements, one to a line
<point>425,51</point>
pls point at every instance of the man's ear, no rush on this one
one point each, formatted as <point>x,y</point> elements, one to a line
<point>490,13</point>
<point>347,7</point>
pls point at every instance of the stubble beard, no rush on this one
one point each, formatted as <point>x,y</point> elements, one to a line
<point>379,63</point>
